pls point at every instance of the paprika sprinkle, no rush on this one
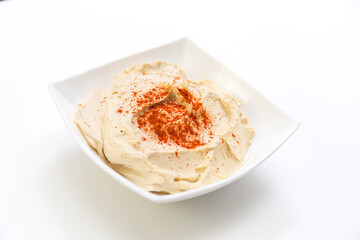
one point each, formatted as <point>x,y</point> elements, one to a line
<point>171,122</point>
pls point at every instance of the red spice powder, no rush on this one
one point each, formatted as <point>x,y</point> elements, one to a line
<point>152,96</point>
<point>171,123</point>
<point>235,138</point>
<point>104,100</point>
<point>185,94</point>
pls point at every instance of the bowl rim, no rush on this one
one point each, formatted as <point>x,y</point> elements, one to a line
<point>54,92</point>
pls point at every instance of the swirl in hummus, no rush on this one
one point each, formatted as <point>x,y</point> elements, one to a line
<point>164,132</point>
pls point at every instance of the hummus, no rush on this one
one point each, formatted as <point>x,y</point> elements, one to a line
<point>164,132</point>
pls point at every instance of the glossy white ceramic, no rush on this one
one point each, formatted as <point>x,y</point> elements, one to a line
<point>273,127</point>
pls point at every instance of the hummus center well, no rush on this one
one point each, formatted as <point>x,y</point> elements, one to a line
<point>179,119</point>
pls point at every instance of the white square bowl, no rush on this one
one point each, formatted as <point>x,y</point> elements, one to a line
<point>272,126</point>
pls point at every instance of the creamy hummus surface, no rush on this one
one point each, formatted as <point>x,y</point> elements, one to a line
<point>164,132</point>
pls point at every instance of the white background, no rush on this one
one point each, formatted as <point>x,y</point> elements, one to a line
<point>303,55</point>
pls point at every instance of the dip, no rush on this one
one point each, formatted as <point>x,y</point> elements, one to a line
<point>163,132</point>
